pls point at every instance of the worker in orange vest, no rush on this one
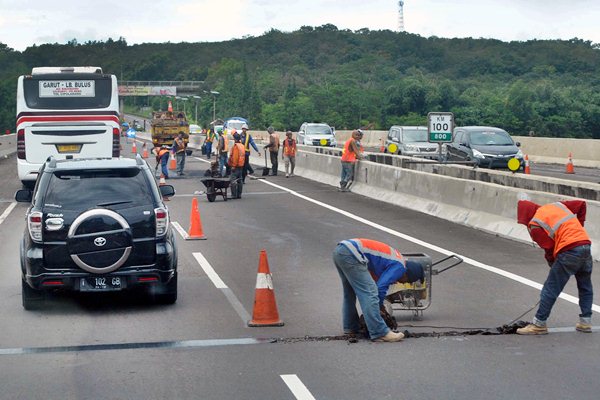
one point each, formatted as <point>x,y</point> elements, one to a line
<point>367,268</point>
<point>237,159</point>
<point>289,153</point>
<point>162,158</point>
<point>558,229</point>
<point>351,153</point>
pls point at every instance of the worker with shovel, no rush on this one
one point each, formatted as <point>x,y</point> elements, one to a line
<point>367,268</point>
<point>558,229</point>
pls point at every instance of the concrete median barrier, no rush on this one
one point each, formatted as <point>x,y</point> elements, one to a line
<point>481,205</point>
<point>8,144</point>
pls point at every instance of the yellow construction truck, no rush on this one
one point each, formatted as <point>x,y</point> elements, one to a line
<point>166,125</point>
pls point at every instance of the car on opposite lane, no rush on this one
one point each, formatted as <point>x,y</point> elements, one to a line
<point>97,225</point>
<point>485,146</point>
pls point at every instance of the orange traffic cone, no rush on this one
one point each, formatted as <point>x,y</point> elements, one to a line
<point>382,147</point>
<point>133,147</point>
<point>173,162</point>
<point>195,232</point>
<point>526,169</point>
<point>265,309</point>
<point>144,151</point>
<point>570,169</point>
<point>170,107</point>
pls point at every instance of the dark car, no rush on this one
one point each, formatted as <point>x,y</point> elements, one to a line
<point>97,225</point>
<point>484,146</point>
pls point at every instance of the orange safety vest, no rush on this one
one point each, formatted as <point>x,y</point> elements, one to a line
<point>161,152</point>
<point>560,224</point>
<point>225,143</point>
<point>289,149</point>
<point>347,154</point>
<point>237,158</point>
<point>180,145</point>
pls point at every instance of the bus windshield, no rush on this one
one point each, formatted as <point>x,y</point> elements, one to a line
<point>49,92</point>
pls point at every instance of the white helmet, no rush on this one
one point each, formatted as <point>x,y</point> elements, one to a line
<point>245,126</point>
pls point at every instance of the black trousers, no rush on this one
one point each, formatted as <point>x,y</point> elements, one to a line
<point>274,162</point>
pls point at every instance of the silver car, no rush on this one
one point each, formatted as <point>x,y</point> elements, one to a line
<point>410,141</point>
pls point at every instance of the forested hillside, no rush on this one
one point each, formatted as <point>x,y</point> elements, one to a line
<point>351,79</point>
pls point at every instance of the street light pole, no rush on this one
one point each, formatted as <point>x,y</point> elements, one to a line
<point>215,94</point>
<point>196,98</point>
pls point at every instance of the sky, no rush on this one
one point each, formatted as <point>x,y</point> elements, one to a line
<point>25,23</point>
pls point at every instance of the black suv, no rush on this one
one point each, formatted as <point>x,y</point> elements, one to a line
<point>97,225</point>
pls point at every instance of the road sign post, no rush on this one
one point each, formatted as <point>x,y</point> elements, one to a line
<point>439,128</point>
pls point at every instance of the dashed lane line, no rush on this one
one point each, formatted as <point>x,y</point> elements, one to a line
<point>219,284</point>
<point>475,263</point>
<point>296,386</point>
<point>6,212</point>
<point>179,229</point>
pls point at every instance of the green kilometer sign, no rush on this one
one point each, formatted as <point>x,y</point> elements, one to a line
<point>440,137</point>
<point>440,126</point>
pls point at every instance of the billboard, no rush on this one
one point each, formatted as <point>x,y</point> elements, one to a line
<point>147,90</point>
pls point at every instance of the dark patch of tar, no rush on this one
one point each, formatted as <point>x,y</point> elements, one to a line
<point>510,329</point>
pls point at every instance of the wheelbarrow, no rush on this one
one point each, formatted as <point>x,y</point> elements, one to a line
<point>416,297</point>
<point>215,187</point>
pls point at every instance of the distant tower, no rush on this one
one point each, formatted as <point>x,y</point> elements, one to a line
<point>401,16</point>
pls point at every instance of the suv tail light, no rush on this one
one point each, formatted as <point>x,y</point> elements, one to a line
<point>21,144</point>
<point>162,221</point>
<point>35,226</point>
<point>116,148</point>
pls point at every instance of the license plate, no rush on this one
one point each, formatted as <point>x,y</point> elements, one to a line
<point>100,284</point>
<point>68,148</point>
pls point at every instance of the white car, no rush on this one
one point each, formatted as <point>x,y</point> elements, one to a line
<point>316,134</point>
<point>195,129</point>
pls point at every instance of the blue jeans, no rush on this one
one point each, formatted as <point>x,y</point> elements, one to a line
<point>358,283</point>
<point>164,162</point>
<point>347,173</point>
<point>222,163</point>
<point>208,149</point>
<point>578,262</point>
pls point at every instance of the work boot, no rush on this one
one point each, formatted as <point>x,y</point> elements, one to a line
<point>583,327</point>
<point>391,336</point>
<point>532,329</point>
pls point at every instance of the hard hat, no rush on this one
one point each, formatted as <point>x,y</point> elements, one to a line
<point>219,130</point>
<point>245,126</point>
<point>414,271</point>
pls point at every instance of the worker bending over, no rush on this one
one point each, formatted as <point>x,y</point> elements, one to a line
<point>360,263</point>
<point>558,229</point>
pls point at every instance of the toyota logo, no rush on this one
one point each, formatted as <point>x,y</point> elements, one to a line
<point>99,241</point>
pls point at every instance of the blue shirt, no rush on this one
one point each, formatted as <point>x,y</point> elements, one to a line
<point>385,263</point>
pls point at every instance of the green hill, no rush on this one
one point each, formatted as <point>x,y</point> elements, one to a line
<point>351,79</point>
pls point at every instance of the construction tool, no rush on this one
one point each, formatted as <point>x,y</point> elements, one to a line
<point>416,296</point>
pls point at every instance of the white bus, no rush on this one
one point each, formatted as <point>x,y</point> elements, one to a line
<point>65,112</point>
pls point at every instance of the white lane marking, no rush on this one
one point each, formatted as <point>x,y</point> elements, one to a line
<point>209,270</point>
<point>179,229</point>
<point>218,282</point>
<point>10,207</point>
<point>495,270</point>
<point>565,329</point>
<point>297,387</point>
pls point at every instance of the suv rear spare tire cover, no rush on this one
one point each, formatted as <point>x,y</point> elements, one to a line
<point>102,251</point>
